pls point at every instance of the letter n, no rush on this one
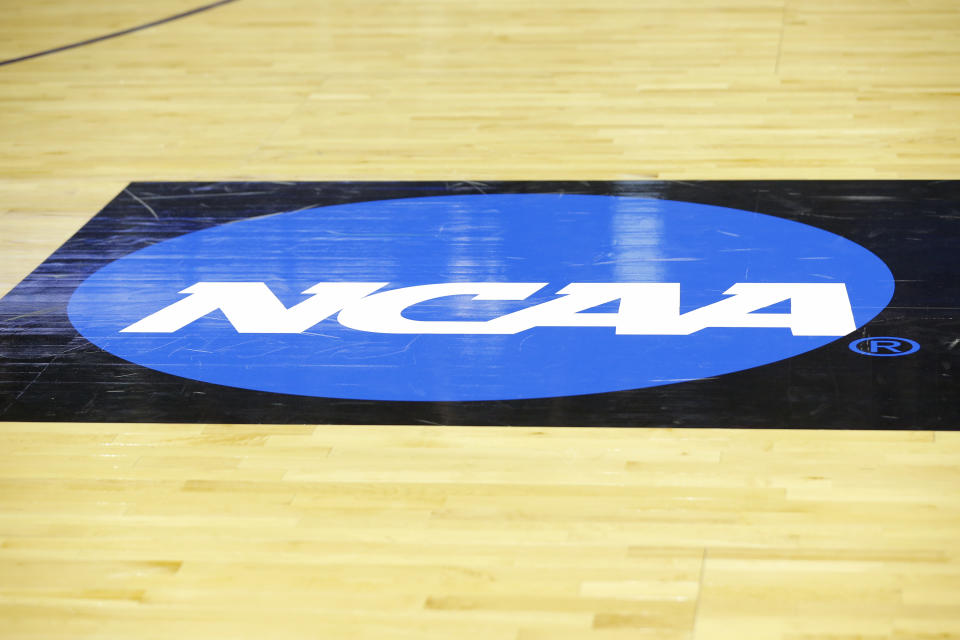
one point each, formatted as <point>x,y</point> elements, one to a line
<point>251,307</point>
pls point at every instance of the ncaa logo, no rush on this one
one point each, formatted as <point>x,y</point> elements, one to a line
<point>481,297</point>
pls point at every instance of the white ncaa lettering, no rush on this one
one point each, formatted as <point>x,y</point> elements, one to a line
<point>645,308</point>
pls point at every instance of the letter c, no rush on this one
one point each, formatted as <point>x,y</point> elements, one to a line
<point>382,312</point>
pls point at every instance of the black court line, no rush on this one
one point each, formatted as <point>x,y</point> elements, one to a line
<point>117,34</point>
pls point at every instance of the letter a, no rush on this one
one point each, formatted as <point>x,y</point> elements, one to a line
<point>816,309</point>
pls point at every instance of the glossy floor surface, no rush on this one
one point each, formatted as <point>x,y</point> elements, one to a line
<point>227,531</point>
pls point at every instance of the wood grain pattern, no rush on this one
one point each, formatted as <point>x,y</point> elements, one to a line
<point>227,531</point>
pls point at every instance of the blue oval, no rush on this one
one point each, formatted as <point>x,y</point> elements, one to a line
<point>552,238</point>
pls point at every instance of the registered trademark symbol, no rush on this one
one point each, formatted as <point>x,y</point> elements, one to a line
<point>884,346</point>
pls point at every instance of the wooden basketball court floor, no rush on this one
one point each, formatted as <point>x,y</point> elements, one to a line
<point>239,531</point>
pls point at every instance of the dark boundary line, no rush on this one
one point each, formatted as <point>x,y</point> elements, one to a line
<point>117,34</point>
